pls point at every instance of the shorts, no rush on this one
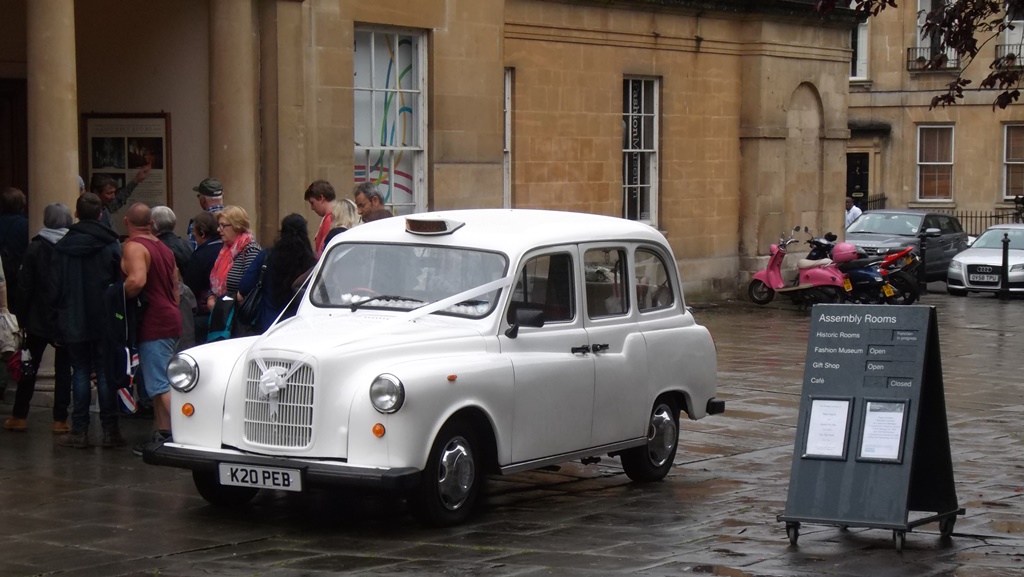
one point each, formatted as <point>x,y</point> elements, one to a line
<point>153,358</point>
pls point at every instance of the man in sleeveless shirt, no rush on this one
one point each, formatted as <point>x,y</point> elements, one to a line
<point>150,271</point>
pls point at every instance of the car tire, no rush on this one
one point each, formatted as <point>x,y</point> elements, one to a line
<point>760,293</point>
<point>450,484</point>
<point>956,292</point>
<point>221,495</point>
<point>653,460</point>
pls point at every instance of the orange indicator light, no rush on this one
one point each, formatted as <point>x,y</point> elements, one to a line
<point>451,378</point>
<point>378,430</point>
<point>188,410</point>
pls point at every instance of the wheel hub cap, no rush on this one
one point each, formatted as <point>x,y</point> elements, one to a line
<point>662,435</point>
<point>455,473</point>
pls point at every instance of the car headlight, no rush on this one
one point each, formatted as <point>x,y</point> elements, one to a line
<point>387,393</point>
<point>1017,267</point>
<point>183,373</point>
<point>956,265</point>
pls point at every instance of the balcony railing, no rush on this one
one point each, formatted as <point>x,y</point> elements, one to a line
<point>928,59</point>
<point>1009,55</point>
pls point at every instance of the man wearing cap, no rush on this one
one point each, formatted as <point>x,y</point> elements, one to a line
<point>211,198</point>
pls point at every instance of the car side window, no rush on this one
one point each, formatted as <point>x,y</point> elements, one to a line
<point>653,284</point>
<point>605,269</point>
<point>946,225</point>
<point>931,221</point>
<point>546,283</point>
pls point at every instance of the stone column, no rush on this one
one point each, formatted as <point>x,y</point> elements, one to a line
<point>233,114</point>
<point>52,106</point>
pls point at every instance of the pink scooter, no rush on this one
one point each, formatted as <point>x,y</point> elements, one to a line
<point>817,281</point>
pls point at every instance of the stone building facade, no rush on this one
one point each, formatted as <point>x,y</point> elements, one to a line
<point>964,157</point>
<point>720,122</point>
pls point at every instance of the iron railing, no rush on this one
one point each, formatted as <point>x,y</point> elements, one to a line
<point>1009,56</point>
<point>928,59</point>
<point>873,202</point>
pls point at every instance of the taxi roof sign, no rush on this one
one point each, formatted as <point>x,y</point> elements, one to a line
<point>431,226</point>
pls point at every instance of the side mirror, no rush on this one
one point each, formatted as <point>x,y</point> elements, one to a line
<point>831,237</point>
<point>796,228</point>
<point>932,232</point>
<point>807,230</point>
<point>524,317</point>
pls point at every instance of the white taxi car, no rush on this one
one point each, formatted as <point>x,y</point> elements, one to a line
<point>431,351</point>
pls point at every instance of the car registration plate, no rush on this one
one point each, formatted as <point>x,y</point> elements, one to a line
<point>887,290</point>
<point>847,284</point>
<point>262,477</point>
<point>984,278</point>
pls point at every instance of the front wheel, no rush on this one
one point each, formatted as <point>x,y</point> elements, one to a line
<point>653,460</point>
<point>905,285</point>
<point>760,293</point>
<point>451,482</point>
<point>218,495</point>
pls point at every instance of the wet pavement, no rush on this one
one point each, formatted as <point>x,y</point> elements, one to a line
<point>102,512</point>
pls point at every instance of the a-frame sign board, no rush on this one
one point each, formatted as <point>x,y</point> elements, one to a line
<point>872,443</point>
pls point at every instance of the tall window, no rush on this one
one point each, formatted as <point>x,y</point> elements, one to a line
<point>859,62</point>
<point>640,149</point>
<point>923,8</point>
<point>1013,161</point>
<point>506,154</point>
<point>390,116</point>
<point>935,162</point>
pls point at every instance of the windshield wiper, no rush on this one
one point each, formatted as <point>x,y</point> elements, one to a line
<point>356,305</point>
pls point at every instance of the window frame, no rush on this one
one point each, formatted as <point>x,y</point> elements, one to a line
<point>506,153</point>
<point>861,54</point>
<point>651,154</point>
<point>1007,163</point>
<point>921,164</point>
<point>363,153</point>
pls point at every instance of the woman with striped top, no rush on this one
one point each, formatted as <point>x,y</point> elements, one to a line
<point>238,252</point>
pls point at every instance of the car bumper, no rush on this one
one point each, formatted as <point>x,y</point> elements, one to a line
<point>956,279</point>
<point>314,473</point>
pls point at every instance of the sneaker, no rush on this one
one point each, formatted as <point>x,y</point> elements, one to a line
<point>157,437</point>
<point>74,440</point>
<point>16,424</point>
<point>112,439</point>
<point>60,427</point>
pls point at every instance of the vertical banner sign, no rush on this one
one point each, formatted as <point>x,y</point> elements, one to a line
<point>635,89</point>
<point>872,442</point>
<point>118,146</point>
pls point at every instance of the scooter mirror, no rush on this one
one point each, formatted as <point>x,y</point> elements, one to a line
<point>831,237</point>
<point>796,228</point>
<point>807,230</point>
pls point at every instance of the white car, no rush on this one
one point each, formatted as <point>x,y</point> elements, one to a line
<point>431,351</point>
<point>978,268</point>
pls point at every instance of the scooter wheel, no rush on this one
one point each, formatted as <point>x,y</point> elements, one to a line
<point>760,293</point>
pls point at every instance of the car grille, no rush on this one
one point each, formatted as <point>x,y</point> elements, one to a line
<point>871,250</point>
<point>986,269</point>
<point>292,426</point>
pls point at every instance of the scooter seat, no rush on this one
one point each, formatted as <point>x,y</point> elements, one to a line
<point>859,263</point>
<point>807,263</point>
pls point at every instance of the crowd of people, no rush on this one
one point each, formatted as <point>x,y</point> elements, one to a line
<point>76,287</point>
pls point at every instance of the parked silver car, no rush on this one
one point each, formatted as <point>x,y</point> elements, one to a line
<point>977,269</point>
<point>878,231</point>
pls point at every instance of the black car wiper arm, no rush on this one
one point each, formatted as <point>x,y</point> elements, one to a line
<point>356,305</point>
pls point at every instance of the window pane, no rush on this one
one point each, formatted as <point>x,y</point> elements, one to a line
<point>936,181</point>
<point>546,283</point>
<point>936,144</point>
<point>653,288</point>
<point>606,277</point>
<point>1015,179</point>
<point>1015,143</point>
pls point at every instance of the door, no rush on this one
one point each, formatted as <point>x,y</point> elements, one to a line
<point>941,250</point>
<point>621,398</point>
<point>554,370</point>
<point>857,180</point>
<point>14,134</point>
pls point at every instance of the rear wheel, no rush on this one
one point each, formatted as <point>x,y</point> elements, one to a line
<point>906,288</point>
<point>760,293</point>
<point>221,495</point>
<point>451,482</point>
<point>652,461</point>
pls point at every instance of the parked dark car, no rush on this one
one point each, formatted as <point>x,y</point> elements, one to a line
<point>878,231</point>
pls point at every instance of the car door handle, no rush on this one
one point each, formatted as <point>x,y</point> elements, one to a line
<point>599,348</point>
<point>580,350</point>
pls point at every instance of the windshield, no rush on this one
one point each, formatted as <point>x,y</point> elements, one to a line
<point>993,238</point>
<point>886,223</point>
<point>405,277</point>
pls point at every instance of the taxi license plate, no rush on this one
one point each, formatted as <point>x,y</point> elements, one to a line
<point>887,290</point>
<point>983,278</point>
<point>847,284</point>
<point>261,477</point>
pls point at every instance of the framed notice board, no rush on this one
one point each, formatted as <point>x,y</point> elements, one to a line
<point>872,388</point>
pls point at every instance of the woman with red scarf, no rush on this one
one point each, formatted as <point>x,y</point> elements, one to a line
<point>240,249</point>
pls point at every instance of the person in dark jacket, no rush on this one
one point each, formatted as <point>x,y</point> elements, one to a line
<point>163,228</point>
<point>37,317</point>
<point>197,271</point>
<point>290,257</point>
<point>85,262</point>
<point>13,238</point>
